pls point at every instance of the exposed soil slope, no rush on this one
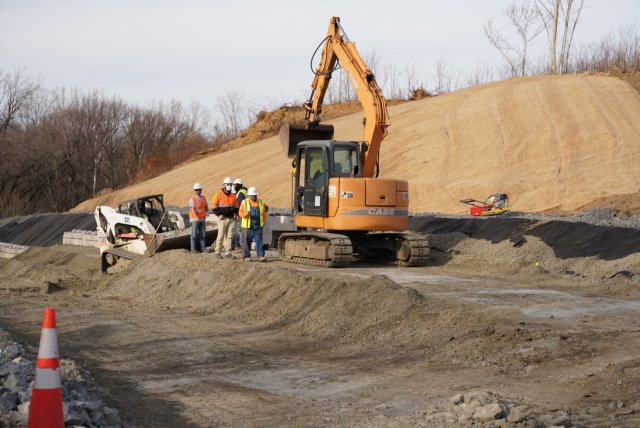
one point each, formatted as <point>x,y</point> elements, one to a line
<point>550,142</point>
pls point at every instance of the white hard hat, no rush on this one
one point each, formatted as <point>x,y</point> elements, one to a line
<point>238,181</point>
<point>227,180</point>
<point>252,191</point>
<point>197,186</point>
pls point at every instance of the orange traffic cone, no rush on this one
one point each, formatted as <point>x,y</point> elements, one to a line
<point>45,409</point>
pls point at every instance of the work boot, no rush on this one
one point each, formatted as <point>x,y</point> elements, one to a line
<point>262,259</point>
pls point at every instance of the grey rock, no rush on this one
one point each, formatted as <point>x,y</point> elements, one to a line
<point>8,402</point>
<point>97,418</point>
<point>24,396</point>
<point>14,381</point>
<point>487,412</point>
<point>560,419</point>
<point>457,399</point>
<point>18,418</point>
<point>24,408</point>
<point>111,416</point>
<point>92,405</point>
<point>516,415</point>
<point>11,351</point>
<point>20,361</point>
<point>75,416</point>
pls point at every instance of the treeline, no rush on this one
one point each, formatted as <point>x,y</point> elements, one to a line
<point>60,148</point>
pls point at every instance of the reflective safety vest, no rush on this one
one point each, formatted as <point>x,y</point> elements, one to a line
<point>245,212</point>
<point>242,192</point>
<point>226,204</point>
<point>199,209</point>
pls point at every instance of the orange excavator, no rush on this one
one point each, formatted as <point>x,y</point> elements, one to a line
<point>341,209</point>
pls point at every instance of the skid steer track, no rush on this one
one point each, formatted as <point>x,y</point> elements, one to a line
<point>115,253</point>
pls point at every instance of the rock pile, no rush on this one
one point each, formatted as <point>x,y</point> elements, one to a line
<point>17,371</point>
<point>485,409</point>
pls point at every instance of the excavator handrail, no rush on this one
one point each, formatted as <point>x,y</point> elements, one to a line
<point>338,48</point>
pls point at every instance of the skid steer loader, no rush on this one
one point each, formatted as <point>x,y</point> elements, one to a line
<point>141,227</point>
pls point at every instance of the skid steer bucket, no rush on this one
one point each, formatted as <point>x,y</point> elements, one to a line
<point>174,239</point>
<point>291,135</point>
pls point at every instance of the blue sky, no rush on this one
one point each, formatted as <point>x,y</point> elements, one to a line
<point>145,51</point>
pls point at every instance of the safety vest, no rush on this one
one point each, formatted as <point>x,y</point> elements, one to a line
<point>222,200</point>
<point>241,192</point>
<point>199,209</point>
<point>226,204</point>
<point>246,209</point>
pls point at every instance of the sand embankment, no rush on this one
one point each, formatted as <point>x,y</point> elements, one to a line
<point>550,142</point>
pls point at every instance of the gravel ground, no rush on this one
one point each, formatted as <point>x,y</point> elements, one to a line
<point>17,369</point>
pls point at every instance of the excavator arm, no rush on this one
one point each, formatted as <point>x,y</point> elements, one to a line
<point>338,48</point>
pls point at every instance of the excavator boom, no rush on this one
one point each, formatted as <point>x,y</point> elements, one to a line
<point>338,49</point>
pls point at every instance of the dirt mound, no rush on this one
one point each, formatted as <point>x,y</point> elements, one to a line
<point>352,311</point>
<point>267,124</point>
<point>50,270</point>
<point>550,142</point>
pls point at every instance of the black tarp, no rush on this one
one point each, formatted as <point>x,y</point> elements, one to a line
<point>44,230</point>
<point>567,239</point>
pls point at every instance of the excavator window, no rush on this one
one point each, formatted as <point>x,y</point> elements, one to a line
<point>345,161</point>
<point>316,175</point>
<point>317,168</point>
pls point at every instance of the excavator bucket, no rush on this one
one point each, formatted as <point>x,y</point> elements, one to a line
<point>291,135</point>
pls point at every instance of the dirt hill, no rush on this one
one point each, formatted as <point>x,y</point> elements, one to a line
<point>550,142</point>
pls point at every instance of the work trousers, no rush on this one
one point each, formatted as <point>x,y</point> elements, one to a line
<point>235,241</point>
<point>225,232</point>
<point>197,235</point>
<point>252,235</point>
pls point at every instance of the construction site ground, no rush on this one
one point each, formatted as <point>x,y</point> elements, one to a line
<point>184,339</point>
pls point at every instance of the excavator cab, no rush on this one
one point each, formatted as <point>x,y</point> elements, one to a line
<point>319,161</point>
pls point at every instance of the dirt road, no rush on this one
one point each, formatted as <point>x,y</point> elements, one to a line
<point>186,340</point>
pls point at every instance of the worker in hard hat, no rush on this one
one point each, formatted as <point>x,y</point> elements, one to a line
<point>198,210</point>
<point>253,212</point>
<point>224,207</point>
<point>241,193</point>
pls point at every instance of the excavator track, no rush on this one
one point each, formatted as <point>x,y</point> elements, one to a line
<point>316,249</point>
<point>400,249</point>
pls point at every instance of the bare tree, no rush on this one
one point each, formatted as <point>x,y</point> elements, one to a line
<point>446,78</point>
<point>482,73</point>
<point>15,92</point>
<point>525,20</point>
<point>613,52</point>
<point>553,13</point>
<point>416,84</point>
<point>230,107</point>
